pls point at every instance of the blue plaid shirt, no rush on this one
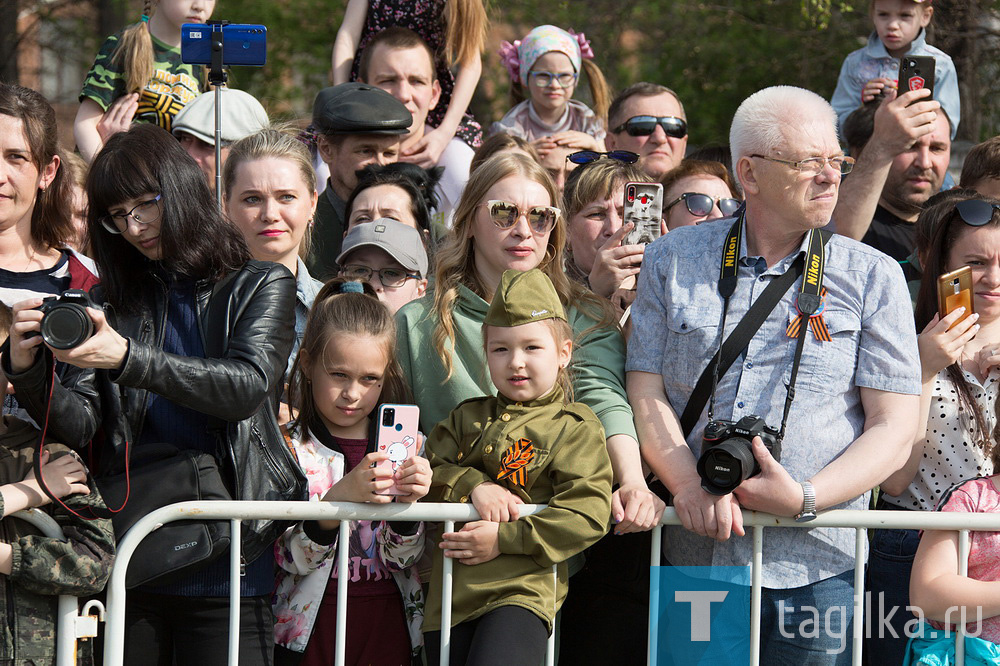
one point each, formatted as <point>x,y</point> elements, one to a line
<point>676,318</point>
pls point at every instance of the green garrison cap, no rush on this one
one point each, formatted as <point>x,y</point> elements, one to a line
<point>524,297</point>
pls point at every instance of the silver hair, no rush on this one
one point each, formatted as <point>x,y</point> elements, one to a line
<point>759,122</point>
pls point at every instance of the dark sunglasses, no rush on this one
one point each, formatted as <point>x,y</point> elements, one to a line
<point>701,205</point>
<point>646,125</point>
<point>976,212</point>
<point>588,156</point>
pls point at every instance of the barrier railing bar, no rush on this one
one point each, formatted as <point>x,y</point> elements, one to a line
<point>755,593</point>
<point>234,592</point>
<point>861,538</point>
<point>654,598</point>
<point>963,570</point>
<point>450,513</point>
<point>447,565</point>
<point>343,562</point>
<point>66,607</point>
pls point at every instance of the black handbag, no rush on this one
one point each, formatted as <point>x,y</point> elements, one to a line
<point>158,475</point>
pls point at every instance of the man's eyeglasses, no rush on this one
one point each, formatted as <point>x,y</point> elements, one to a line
<point>976,212</point>
<point>389,277</point>
<point>588,156</point>
<point>505,215</point>
<point>813,166</point>
<point>545,79</point>
<point>646,125</point>
<point>144,212</point>
<point>700,205</point>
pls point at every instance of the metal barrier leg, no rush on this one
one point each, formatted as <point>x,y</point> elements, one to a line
<point>550,647</point>
<point>343,550</point>
<point>446,587</point>
<point>963,570</point>
<point>861,538</point>
<point>654,598</point>
<point>235,551</point>
<point>757,573</point>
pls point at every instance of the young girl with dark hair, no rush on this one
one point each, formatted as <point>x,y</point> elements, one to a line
<point>190,349</point>
<point>346,367</point>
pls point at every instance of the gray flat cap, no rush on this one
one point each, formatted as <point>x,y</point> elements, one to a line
<point>358,108</point>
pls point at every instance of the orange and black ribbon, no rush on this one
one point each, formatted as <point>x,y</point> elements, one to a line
<point>515,461</point>
<point>816,322</point>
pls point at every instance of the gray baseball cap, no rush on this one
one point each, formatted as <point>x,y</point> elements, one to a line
<point>401,241</point>
<point>242,115</point>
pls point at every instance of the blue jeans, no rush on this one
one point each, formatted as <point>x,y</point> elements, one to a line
<point>809,625</point>
<point>888,583</point>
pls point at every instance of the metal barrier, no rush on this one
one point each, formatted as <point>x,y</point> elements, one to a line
<point>69,625</point>
<point>449,514</point>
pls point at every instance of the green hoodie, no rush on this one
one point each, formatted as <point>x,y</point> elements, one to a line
<point>597,370</point>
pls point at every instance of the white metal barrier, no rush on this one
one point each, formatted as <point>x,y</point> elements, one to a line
<point>69,625</point>
<point>449,514</point>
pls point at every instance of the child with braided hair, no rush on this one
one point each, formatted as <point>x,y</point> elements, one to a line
<point>138,75</point>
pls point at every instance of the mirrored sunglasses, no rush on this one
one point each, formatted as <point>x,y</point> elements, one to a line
<point>506,214</point>
<point>700,205</point>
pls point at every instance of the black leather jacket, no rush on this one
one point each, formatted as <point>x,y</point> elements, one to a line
<point>246,323</point>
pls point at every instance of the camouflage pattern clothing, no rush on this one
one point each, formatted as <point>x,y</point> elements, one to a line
<point>173,84</point>
<point>43,567</point>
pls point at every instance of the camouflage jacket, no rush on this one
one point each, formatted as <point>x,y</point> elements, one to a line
<point>43,567</point>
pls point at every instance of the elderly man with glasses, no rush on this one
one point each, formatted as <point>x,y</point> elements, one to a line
<point>829,379</point>
<point>648,119</point>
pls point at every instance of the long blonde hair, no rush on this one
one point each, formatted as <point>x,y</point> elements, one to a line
<point>135,51</point>
<point>456,263</point>
<point>465,30</point>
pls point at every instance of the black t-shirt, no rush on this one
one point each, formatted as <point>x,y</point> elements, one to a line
<point>894,236</point>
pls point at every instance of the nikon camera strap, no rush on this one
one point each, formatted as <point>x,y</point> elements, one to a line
<point>807,302</point>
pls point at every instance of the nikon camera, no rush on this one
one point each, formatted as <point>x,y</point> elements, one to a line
<point>727,455</point>
<point>65,322</point>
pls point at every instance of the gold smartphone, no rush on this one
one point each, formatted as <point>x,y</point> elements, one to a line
<point>955,291</point>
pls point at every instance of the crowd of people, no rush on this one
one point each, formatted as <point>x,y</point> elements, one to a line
<point>778,348</point>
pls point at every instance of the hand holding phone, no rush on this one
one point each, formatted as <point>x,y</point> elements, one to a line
<point>915,73</point>
<point>955,291</point>
<point>397,437</point>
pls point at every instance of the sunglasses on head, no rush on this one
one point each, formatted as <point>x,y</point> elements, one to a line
<point>646,125</point>
<point>701,205</point>
<point>588,156</point>
<point>505,215</point>
<point>976,212</point>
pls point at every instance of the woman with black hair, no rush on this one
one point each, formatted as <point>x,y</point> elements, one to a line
<point>400,191</point>
<point>190,350</point>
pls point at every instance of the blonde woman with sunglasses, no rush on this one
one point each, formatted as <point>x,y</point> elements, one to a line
<point>508,219</point>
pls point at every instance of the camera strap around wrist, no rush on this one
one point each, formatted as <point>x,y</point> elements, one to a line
<point>807,303</point>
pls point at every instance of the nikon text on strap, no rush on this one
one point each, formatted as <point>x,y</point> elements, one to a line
<point>807,302</point>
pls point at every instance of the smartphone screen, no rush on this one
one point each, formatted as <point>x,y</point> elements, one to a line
<point>398,427</point>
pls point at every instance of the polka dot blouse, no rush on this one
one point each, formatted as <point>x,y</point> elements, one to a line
<point>950,454</point>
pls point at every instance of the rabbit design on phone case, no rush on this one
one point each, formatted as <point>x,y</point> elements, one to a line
<point>397,452</point>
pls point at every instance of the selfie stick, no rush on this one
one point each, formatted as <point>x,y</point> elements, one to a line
<point>217,77</point>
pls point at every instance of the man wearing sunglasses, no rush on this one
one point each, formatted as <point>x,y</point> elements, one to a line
<point>648,119</point>
<point>851,420</point>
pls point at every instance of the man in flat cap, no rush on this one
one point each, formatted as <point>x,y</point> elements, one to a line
<point>357,125</point>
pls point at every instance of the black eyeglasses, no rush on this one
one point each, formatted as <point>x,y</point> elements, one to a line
<point>389,277</point>
<point>588,156</point>
<point>145,212</point>
<point>646,125</point>
<point>700,205</point>
<point>976,212</point>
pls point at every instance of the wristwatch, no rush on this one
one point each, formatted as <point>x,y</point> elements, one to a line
<point>808,503</point>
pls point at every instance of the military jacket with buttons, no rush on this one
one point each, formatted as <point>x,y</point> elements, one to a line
<point>568,469</point>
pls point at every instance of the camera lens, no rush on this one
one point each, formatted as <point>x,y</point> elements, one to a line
<point>725,466</point>
<point>66,326</point>
<point>388,417</point>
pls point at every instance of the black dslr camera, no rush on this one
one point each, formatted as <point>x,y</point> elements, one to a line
<point>65,322</point>
<point>726,455</point>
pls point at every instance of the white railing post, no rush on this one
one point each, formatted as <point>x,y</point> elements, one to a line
<point>235,552</point>
<point>343,576</point>
<point>861,538</point>
<point>963,570</point>
<point>757,574</point>
<point>653,631</point>
<point>447,569</point>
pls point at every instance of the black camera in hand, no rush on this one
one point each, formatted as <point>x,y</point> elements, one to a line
<point>727,455</point>
<point>66,322</point>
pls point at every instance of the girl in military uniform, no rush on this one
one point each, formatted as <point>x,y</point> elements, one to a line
<point>529,444</point>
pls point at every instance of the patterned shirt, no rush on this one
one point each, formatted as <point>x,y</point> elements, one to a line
<point>173,84</point>
<point>675,321</point>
